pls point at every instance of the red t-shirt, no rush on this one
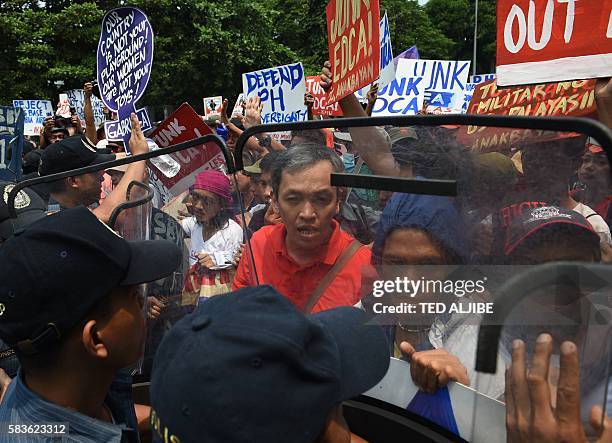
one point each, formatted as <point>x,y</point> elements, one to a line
<point>276,268</point>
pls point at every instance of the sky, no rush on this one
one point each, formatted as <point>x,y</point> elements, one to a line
<point>422,2</point>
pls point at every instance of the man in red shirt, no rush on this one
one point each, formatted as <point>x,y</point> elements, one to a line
<point>307,258</point>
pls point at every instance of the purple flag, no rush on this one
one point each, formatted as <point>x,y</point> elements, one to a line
<point>410,53</point>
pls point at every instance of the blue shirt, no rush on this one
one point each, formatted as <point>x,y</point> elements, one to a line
<point>22,406</point>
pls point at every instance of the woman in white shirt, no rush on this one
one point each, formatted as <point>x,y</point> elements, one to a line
<point>215,236</point>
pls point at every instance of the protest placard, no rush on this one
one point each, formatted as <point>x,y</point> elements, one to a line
<point>481,78</point>
<point>76,98</point>
<point>321,107</point>
<point>125,58</point>
<point>575,99</point>
<point>212,106</point>
<point>467,96</point>
<point>411,53</point>
<point>403,96</point>
<point>63,106</point>
<point>11,142</point>
<point>354,45</point>
<point>239,105</point>
<point>444,82</point>
<point>281,90</point>
<point>387,67</point>
<point>35,112</point>
<point>182,125</point>
<point>549,41</point>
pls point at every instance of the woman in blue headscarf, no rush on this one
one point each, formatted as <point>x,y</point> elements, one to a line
<point>419,233</point>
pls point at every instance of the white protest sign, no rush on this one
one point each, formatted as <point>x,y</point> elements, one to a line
<point>239,105</point>
<point>403,96</point>
<point>281,90</point>
<point>444,82</point>
<point>467,96</point>
<point>481,78</point>
<point>387,67</point>
<point>76,98</point>
<point>63,106</point>
<point>35,113</point>
<point>212,106</point>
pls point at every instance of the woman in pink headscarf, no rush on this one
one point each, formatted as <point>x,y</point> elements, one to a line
<point>215,236</point>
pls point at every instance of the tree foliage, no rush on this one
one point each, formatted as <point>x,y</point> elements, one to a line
<point>202,46</point>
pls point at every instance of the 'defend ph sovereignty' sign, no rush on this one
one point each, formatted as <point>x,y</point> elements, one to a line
<point>11,142</point>
<point>354,45</point>
<point>281,90</point>
<point>125,59</point>
<point>546,41</point>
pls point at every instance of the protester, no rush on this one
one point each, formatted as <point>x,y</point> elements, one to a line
<point>265,215</point>
<point>77,152</point>
<point>595,187</point>
<point>234,353</point>
<point>414,231</point>
<point>215,236</point>
<point>308,258</point>
<point>72,331</point>
<point>530,415</point>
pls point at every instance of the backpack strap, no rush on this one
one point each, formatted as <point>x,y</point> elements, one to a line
<point>341,262</point>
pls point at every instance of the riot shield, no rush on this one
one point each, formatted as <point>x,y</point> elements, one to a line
<point>186,196</point>
<point>455,210</point>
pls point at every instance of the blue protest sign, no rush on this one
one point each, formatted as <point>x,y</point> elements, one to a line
<point>11,142</point>
<point>403,96</point>
<point>281,90</point>
<point>481,78</point>
<point>35,112</point>
<point>444,82</point>
<point>76,98</point>
<point>387,67</point>
<point>125,59</point>
<point>467,97</point>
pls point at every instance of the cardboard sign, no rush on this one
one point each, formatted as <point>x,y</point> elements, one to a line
<point>11,142</point>
<point>281,90</point>
<point>76,98</point>
<point>182,125</point>
<point>466,404</point>
<point>553,40</point>
<point>387,67</point>
<point>212,106</point>
<point>35,112</point>
<point>467,96</point>
<point>405,94</point>
<point>481,78</point>
<point>354,45</point>
<point>320,98</point>
<point>63,106</point>
<point>575,99</point>
<point>239,105</point>
<point>444,82</point>
<point>125,58</point>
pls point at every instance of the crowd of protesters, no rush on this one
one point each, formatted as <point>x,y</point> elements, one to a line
<point>298,253</point>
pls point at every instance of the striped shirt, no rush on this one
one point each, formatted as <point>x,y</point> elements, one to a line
<point>21,406</point>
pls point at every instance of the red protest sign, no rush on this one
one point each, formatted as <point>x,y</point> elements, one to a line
<point>545,41</point>
<point>182,125</point>
<point>320,98</point>
<point>575,99</point>
<point>354,45</point>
